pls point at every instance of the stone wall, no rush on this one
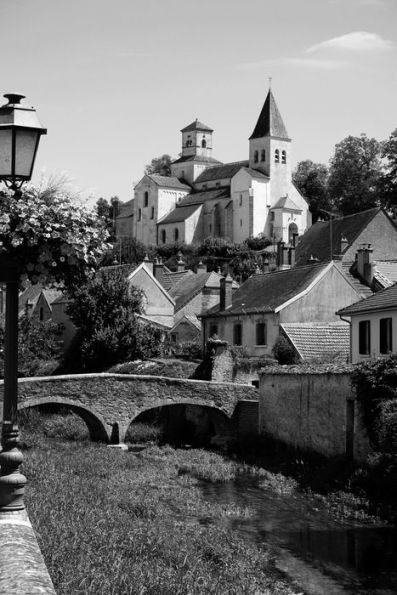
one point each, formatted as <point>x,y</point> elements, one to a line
<point>313,411</point>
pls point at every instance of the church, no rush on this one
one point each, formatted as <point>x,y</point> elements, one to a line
<point>206,198</point>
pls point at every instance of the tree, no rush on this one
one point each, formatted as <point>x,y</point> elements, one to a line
<point>105,312</point>
<point>160,165</point>
<point>388,181</point>
<point>354,174</point>
<point>50,234</point>
<point>311,180</point>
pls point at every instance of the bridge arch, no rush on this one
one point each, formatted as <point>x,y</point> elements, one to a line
<point>97,426</point>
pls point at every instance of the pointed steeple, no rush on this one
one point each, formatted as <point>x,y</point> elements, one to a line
<point>270,122</point>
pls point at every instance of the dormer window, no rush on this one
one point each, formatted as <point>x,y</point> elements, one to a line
<point>204,143</point>
<point>276,156</point>
<point>263,155</point>
<point>283,156</point>
<point>256,157</point>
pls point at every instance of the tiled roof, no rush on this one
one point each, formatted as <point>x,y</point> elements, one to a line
<point>316,340</point>
<point>387,271</point>
<point>228,170</point>
<point>199,158</point>
<point>29,296</point>
<point>349,270</point>
<point>197,125</point>
<point>255,173</point>
<point>51,295</point>
<point>286,203</point>
<point>198,198</point>
<point>168,182</point>
<point>266,292</point>
<point>157,321</point>
<point>385,299</point>
<point>316,241</point>
<point>180,214</point>
<point>191,318</point>
<point>270,122</point>
<point>126,269</point>
<point>171,278</point>
<point>188,287</point>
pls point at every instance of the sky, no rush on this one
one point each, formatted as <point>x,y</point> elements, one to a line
<point>114,81</point>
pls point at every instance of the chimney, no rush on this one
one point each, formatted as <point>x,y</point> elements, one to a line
<point>343,244</point>
<point>158,270</point>
<point>148,263</point>
<point>266,266</point>
<point>180,265</point>
<point>365,265</point>
<point>201,268</point>
<point>226,291</point>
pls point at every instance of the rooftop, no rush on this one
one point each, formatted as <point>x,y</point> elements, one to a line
<point>228,170</point>
<point>316,340</point>
<point>180,213</point>
<point>270,122</point>
<point>197,125</point>
<point>383,300</point>
<point>168,182</point>
<point>286,203</point>
<point>197,198</point>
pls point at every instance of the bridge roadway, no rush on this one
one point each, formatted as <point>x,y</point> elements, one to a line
<point>108,403</point>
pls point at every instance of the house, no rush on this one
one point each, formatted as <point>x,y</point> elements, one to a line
<point>37,301</point>
<point>373,325</point>
<point>204,197</point>
<point>269,304</point>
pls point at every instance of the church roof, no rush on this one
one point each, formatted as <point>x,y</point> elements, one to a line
<point>197,125</point>
<point>228,170</point>
<point>316,241</point>
<point>286,203</point>
<point>255,173</point>
<point>180,214</point>
<point>199,158</point>
<point>197,198</point>
<point>168,182</point>
<point>270,122</point>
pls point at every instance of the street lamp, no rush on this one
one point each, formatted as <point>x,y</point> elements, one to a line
<point>20,132</point>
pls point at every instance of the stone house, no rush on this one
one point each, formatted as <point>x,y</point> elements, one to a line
<point>204,197</point>
<point>269,304</point>
<point>373,325</point>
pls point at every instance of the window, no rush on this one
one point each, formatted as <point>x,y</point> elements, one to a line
<point>146,199</point>
<point>210,228</point>
<point>241,200</point>
<point>163,236</point>
<point>41,313</point>
<point>237,334</point>
<point>139,214</point>
<point>176,234</point>
<point>263,155</point>
<point>364,337</point>
<point>241,223</point>
<point>173,337</point>
<point>152,213</point>
<point>271,215</point>
<point>261,338</point>
<point>256,157</point>
<point>204,143</point>
<point>276,156</point>
<point>213,330</point>
<point>385,335</point>
<point>283,156</point>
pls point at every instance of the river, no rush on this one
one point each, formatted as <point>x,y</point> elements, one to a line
<point>320,552</point>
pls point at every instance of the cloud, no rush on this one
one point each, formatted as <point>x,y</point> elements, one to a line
<point>310,63</point>
<point>357,41</point>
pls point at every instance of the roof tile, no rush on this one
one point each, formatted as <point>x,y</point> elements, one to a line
<point>316,340</point>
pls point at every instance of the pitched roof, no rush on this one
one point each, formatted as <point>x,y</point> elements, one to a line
<point>197,125</point>
<point>198,198</point>
<point>383,300</point>
<point>316,340</point>
<point>228,170</point>
<point>286,203</point>
<point>255,173</point>
<point>29,296</point>
<point>385,273</point>
<point>188,287</point>
<point>316,240</point>
<point>190,318</point>
<point>350,271</point>
<point>168,182</point>
<point>180,214</point>
<point>267,292</point>
<point>270,122</point>
<point>51,295</point>
<point>200,158</point>
<point>170,279</point>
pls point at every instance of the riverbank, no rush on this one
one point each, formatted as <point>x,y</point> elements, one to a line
<point>111,522</point>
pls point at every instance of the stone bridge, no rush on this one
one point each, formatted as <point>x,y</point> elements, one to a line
<point>108,403</point>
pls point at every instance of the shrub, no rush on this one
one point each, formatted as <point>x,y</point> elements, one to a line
<point>284,352</point>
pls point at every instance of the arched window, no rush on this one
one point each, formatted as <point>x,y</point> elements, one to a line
<point>263,155</point>
<point>152,213</point>
<point>256,157</point>
<point>163,236</point>
<point>283,156</point>
<point>276,156</point>
<point>204,143</point>
<point>146,199</point>
<point>139,214</point>
<point>176,234</point>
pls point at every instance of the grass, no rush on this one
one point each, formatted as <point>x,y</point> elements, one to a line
<point>129,523</point>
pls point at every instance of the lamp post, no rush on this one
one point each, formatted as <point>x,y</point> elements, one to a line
<point>20,132</point>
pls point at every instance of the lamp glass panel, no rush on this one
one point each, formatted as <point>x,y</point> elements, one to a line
<point>25,148</point>
<point>5,152</point>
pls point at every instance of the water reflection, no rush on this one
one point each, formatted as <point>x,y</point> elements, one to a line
<point>362,559</point>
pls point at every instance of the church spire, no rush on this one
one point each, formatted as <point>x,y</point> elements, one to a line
<point>270,122</point>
